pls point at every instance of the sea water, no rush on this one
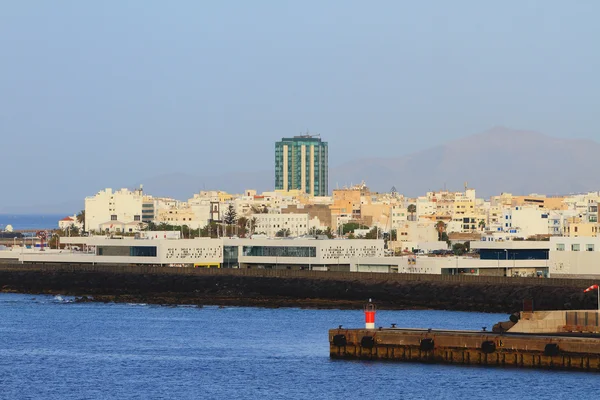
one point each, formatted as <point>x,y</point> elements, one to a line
<point>54,348</point>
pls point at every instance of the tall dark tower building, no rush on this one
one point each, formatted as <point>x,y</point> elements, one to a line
<point>301,163</point>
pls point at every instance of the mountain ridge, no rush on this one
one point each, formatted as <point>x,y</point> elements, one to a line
<point>494,161</point>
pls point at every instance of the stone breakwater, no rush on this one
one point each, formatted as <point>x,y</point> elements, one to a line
<point>263,288</point>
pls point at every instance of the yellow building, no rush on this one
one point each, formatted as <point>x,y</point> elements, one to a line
<point>576,227</point>
<point>346,202</point>
<point>548,203</point>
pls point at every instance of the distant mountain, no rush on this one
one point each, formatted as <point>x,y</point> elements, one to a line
<point>183,186</point>
<point>499,160</point>
<point>495,161</point>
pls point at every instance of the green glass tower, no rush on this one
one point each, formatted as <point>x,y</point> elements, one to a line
<point>301,163</point>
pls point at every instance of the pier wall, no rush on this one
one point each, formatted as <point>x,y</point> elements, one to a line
<point>467,348</point>
<point>295,288</point>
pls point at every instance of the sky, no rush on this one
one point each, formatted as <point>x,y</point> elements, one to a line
<point>110,93</point>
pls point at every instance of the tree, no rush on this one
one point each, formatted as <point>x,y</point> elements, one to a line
<point>458,249</point>
<point>242,227</point>
<point>283,232</point>
<point>351,236</point>
<point>185,230</point>
<point>328,233</point>
<point>230,219</point>
<point>81,219</point>
<point>412,209</point>
<point>230,215</point>
<point>440,226</point>
<point>482,224</point>
<point>253,223</point>
<point>350,227</point>
<point>72,230</point>
<point>374,233</point>
<point>393,235</point>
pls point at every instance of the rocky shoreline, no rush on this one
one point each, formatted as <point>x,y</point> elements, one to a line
<point>273,292</point>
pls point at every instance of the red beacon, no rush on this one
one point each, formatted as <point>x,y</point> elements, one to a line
<point>369,315</point>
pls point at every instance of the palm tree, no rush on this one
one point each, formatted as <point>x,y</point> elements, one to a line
<point>412,209</point>
<point>482,224</point>
<point>440,226</point>
<point>242,227</point>
<point>81,219</point>
<point>253,221</point>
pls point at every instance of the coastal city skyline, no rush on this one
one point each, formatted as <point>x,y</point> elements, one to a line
<point>235,200</point>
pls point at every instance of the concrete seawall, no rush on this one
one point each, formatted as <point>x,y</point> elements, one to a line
<point>291,288</point>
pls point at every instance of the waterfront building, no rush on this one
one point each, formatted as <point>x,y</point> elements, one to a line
<point>575,257</point>
<point>113,207</point>
<point>301,163</point>
<point>150,249</point>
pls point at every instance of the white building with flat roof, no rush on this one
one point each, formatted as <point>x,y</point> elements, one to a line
<point>574,256</point>
<point>117,207</point>
<point>291,224</point>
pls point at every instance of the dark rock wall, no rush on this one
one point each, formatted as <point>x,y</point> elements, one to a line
<point>290,292</point>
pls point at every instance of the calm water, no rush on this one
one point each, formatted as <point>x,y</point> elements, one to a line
<point>52,348</point>
<point>30,221</point>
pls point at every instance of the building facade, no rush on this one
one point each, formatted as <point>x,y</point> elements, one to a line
<point>111,208</point>
<point>301,163</point>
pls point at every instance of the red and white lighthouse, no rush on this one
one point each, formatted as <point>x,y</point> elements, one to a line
<point>369,315</point>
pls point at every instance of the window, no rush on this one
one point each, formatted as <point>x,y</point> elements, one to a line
<point>113,217</point>
<point>560,247</point>
<point>273,251</point>
<point>574,247</point>
<point>136,217</point>
<point>589,247</point>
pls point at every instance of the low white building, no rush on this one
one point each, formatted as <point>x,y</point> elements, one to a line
<point>574,256</point>
<point>525,221</point>
<point>68,222</point>
<point>297,253</point>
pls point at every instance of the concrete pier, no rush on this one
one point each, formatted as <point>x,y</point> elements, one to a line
<point>577,351</point>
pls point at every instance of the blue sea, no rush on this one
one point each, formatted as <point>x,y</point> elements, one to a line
<point>53,348</point>
<point>30,221</point>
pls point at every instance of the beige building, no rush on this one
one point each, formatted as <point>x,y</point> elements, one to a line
<point>416,231</point>
<point>180,217</point>
<point>108,206</point>
<point>576,227</point>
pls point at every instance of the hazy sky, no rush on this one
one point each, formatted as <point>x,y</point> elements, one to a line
<point>108,93</point>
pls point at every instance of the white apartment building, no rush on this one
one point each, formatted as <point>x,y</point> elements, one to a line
<point>270,224</point>
<point>525,221</point>
<point>113,207</point>
<point>425,207</point>
<point>399,215</point>
<point>416,231</point>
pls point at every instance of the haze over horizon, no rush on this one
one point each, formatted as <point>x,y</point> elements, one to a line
<point>110,94</point>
